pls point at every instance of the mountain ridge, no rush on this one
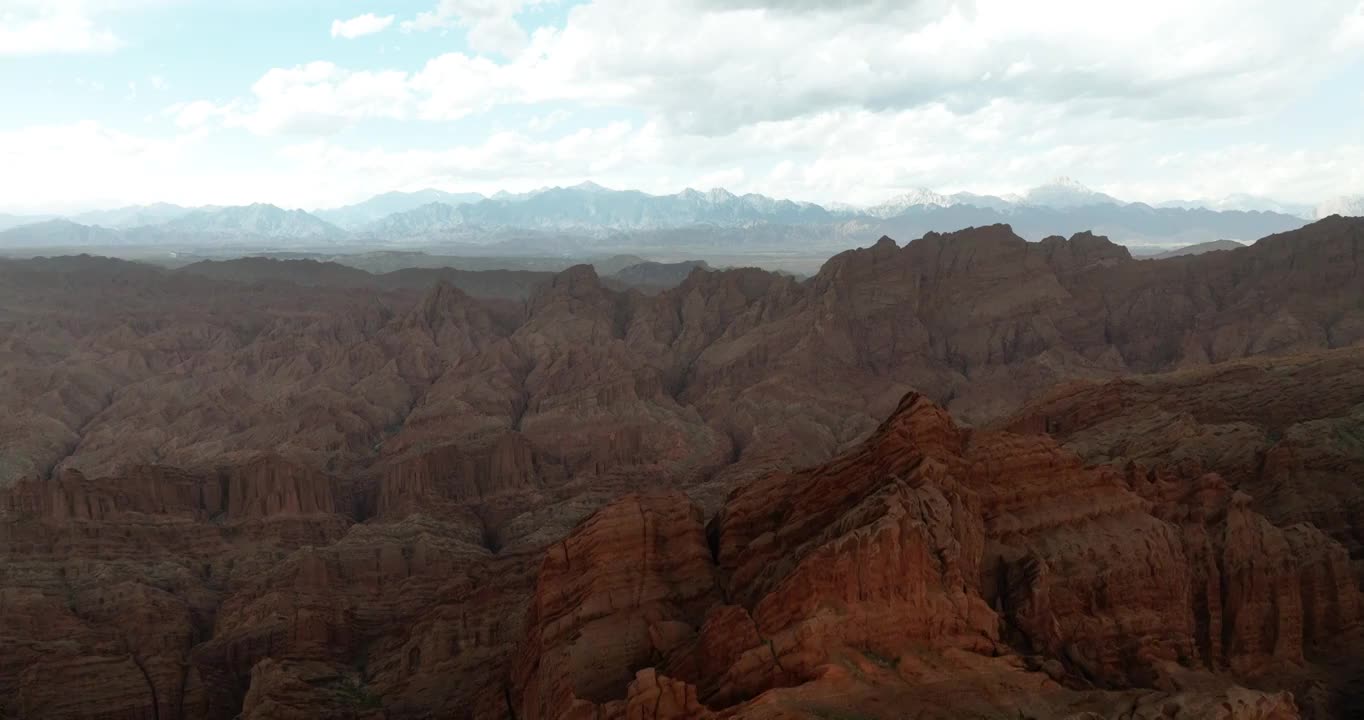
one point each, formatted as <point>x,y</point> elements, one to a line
<point>598,213</point>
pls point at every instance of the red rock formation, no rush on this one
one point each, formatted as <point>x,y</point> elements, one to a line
<point>269,486</point>
<point>887,532</point>
<point>1284,431</point>
<point>929,541</point>
<point>453,473</point>
<point>631,584</point>
<point>366,477</point>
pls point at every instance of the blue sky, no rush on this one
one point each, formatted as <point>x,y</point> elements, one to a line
<point>313,104</point>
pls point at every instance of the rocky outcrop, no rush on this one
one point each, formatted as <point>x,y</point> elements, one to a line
<point>886,532</point>
<point>454,473</point>
<point>934,544</point>
<point>1283,431</point>
<point>269,486</point>
<point>629,586</point>
<point>69,496</point>
<point>303,690</point>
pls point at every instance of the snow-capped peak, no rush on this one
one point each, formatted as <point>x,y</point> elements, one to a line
<point>1064,192</point>
<point>719,195</point>
<point>918,197</point>
<point>1068,183</point>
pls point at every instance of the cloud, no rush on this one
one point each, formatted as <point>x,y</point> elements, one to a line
<point>710,67</point>
<point>491,24</point>
<point>197,114</point>
<point>542,123</point>
<point>859,156</point>
<point>28,27</point>
<point>824,100</point>
<point>360,25</point>
<point>1351,33</point>
<point>52,27</point>
<point>810,6</point>
<point>853,155</point>
<point>110,162</point>
<point>318,98</point>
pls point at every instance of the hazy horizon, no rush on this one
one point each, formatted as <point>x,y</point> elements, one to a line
<point>922,194</point>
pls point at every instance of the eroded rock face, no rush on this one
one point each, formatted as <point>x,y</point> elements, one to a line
<point>109,583</point>
<point>631,584</point>
<point>1283,431</point>
<point>362,480</point>
<point>888,533</point>
<point>928,545</point>
<point>301,690</point>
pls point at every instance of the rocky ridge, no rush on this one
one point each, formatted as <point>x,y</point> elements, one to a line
<point>926,548</point>
<point>288,493</point>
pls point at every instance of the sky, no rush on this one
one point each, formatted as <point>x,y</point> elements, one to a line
<point>312,104</point>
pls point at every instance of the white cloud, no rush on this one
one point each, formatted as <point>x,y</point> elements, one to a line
<point>711,67</point>
<point>542,123</point>
<point>110,163</point>
<point>726,178</point>
<point>197,114</point>
<point>321,97</point>
<point>813,99</point>
<point>499,36</point>
<point>1351,33</point>
<point>714,66</point>
<point>314,99</point>
<point>28,27</point>
<point>361,25</point>
<point>50,27</point>
<point>491,24</point>
<point>853,155</point>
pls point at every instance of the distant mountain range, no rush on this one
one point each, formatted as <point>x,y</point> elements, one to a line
<point>379,207</point>
<point>59,233</point>
<point>136,215</point>
<point>1250,203</point>
<point>593,215</point>
<point>1198,249</point>
<point>8,221</point>
<point>259,220</point>
<point>590,207</point>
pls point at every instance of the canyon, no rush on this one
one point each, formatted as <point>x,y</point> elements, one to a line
<point>967,476</point>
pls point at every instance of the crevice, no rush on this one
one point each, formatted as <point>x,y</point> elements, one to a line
<point>488,535</point>
<point>507,696</point>
<point>621,316</point>
<point>713,539</point>
<point>772,648</point>
<point>1015,634</point>
<point>151,687</point>
<point>736,446</point>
